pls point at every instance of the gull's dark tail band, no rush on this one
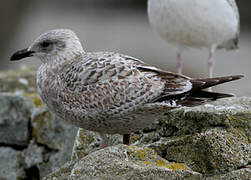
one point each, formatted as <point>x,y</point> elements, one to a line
<point>201,97</point>
<point>198,96</point>
<point>210,82</point>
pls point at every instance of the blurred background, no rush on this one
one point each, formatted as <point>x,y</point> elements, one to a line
<point>120,26</point>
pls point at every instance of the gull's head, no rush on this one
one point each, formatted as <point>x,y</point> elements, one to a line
<point>53,45</point>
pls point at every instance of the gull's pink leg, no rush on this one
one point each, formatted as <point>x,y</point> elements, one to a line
<point>126,139</point>
<point>104,141</point>
<point>179,63</point>
<point>211,63</point>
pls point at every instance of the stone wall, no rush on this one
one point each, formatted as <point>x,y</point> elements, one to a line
<point>33,142</point>
<point>205,142</point>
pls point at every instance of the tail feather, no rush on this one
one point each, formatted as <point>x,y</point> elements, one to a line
<point>197,96</point>
<point>200,97</point>
<point>209,82</point>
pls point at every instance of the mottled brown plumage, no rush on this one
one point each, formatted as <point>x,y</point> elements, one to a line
<point>109,92</point>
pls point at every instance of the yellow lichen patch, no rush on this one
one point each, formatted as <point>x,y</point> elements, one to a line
<point>147,162</point>
<point>132,147</point>
<point>85,139</point>
<point>134,138</point>
<point>76,172</point>
<point>162,163</point>
<point>172,166</point>
<point>42,119</point>
<point>177,166</point>
<point>36,100</point>
<point>40,122</point>
<point>139,152</point>
<point>230,118</point>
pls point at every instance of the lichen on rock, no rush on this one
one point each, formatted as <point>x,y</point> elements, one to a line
<point>33,144</point>
<point>205,142</point>
<point>128,162</point>
<point>209,141</point>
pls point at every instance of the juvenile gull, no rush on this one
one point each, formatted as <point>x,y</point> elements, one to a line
<point>213,24</point>
<point>109,92</point>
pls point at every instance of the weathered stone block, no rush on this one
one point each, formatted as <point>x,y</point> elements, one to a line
<point>211,141</point>
<point>15,114</point>
<point>128,162</point>
<point>11,167</point>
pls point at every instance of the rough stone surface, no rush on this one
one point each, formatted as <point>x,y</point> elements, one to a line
<point>241,174</point>
<point>33,155</point>
<point>206,142</point>
<point>129,162</point>
<point>56,135</point>
<point>15,81</point>
<point>51,131</point>
<point>41,141</point>
<point>212,141</point>
<point>44,140</point>
<point>61,173</point>
<point>89,141</point>
<point>11,167</point>
<point>15,114</point>
<point>211,152</point>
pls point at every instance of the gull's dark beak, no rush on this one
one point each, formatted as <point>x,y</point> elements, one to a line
<point>21,54</point>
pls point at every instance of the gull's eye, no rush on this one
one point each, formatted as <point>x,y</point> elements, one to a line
<point>45,44</point>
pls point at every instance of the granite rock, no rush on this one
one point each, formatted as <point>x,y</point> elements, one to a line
<point>51,131</point>
<point>127,162</point>
<point>205,142</point>
<point>41,140</point>
<point>11,167</point>
<point>15,115</point>
<point>16,81</point>
<point>240,174</point>
<point>33,155</point>
<point>211,141</point>
<point>214,151</point>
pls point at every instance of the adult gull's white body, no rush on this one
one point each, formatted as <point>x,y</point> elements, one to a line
<point>211,24</point>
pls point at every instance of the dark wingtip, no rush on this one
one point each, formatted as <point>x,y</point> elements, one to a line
<point>222,95</point>
<point>236,77</point>
<point>21,54</point>
<point>210,82</point>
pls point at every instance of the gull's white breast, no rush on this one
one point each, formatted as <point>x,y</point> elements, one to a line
<point>194,23</point>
